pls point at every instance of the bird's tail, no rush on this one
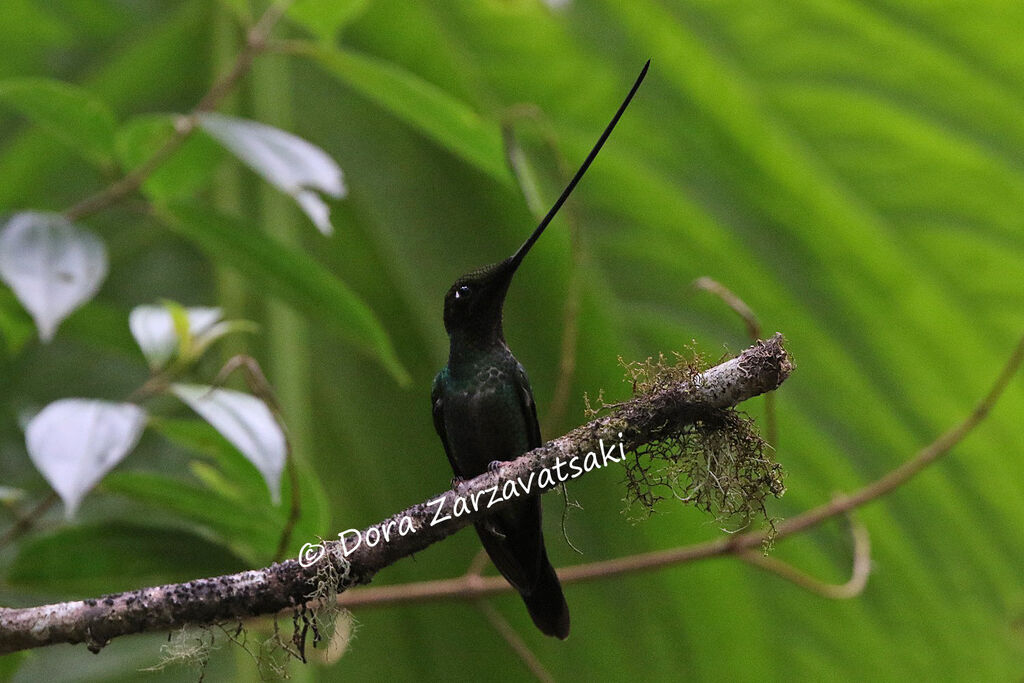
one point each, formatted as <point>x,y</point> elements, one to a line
<point>546,603</point>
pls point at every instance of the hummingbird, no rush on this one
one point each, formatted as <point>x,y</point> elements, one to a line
<point>484,413</point>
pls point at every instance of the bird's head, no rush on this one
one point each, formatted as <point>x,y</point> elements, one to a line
<point>473,305</point>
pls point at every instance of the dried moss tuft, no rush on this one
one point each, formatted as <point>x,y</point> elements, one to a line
<point>189,646</point>
<point>718,463</point>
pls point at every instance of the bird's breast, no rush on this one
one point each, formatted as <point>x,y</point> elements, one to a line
<point>485,421</point>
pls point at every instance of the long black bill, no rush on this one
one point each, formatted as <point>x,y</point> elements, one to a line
<point>517,257</point>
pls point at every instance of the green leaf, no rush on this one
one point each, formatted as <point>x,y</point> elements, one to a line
<point>214,479</point>
<point>186,172</point>
<point>242,9</point>
<point>125,77</point>
<point>326,17</point>
<point>202,438</point>
<point>67,112</point>
<point>9,665</point>
<point>16,326</point>
<point>181,324</point>
<point>117,556</point>
<point>102,326</point>
<point>238,483</point>
<point>449,122</point>
<point>315,519</point>
<point>248,527</point>
<point>290,275</point>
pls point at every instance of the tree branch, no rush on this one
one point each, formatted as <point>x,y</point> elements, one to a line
<point>759,369</point>
<point>475,586</point>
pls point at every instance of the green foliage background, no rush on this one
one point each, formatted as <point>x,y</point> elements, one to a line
<point>854,169</point>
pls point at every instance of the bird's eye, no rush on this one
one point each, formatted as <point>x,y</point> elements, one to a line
<point>462,292</point>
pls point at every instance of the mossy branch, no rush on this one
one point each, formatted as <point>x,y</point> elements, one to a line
<point>635,423</point>
<point>473,587</point>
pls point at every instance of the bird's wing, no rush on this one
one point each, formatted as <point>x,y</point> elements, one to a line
<point>437,399</point>
<point>529,408</point>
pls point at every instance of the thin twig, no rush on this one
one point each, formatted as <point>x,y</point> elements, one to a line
<point>746,313</point>
<point>732,301</point>
<point>479,563</point>
<point>256,43</point>
<point>514,640</point>
<point>845,591</point>
<point>23,524</point>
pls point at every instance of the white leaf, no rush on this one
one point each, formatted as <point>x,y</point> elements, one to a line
<point>246,422</point>
<point>153,329</point>
<point>53,266</point>
<point>316,209</point>
<point>74,442</point>
<point>288,162</point>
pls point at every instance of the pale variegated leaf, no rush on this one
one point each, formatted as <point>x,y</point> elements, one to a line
<point>53,266</point>
<point>74,442</point>
<point>286,161</point>
<point>246,422</point>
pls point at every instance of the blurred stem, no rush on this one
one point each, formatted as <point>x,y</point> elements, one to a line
<point>501,625</point>
<point>227,186</point>
<point>514,640</point>
<point>23,524</point>
<point>232,291</point>
<point>287,332</point>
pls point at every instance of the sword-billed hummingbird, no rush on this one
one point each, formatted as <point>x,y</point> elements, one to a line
<point>484,412</point>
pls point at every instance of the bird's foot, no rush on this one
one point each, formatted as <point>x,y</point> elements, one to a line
<point>492,529</point>
<point>456,481</point>
<point>495,465</point>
